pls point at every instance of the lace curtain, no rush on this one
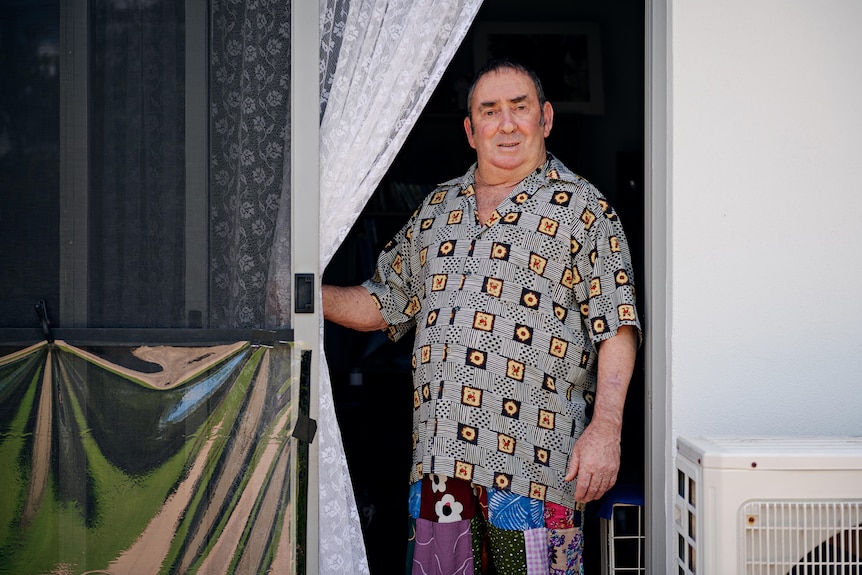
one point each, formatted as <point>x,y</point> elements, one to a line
<point>389,56</point>
<point>250,118</point>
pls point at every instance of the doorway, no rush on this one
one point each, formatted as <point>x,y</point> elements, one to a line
<point>602,141</point>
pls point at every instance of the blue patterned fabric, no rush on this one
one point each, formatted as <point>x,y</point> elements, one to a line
<point>415,500</point>
<point>515,512</point>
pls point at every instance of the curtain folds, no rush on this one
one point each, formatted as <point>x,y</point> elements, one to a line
<point>250,124</point>
<point>389,56</point>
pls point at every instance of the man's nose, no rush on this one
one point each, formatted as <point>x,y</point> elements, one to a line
<point>507,122</point>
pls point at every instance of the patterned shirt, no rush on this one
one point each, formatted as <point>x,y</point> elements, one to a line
<point>506,315</point>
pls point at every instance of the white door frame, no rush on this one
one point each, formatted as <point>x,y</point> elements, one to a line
<point>657,237</point>
<point>305,222</point>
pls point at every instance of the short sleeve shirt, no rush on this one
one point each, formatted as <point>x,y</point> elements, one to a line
<point>506,317</point>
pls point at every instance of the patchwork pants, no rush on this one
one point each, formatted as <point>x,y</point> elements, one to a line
<point>459,528</point>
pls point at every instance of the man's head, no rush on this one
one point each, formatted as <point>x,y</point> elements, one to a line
<point>508,121</point>
<point>498,64</point>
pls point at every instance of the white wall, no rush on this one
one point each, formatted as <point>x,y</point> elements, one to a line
<point>766,215</point>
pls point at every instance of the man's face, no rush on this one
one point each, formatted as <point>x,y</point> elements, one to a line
<point>505,126</point>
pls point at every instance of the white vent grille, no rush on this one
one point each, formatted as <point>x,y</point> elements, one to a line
<point>803,538</point>
<point>685,510</point>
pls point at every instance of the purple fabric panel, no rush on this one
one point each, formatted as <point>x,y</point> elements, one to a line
<point>443,548</point>
<point>536,547</point>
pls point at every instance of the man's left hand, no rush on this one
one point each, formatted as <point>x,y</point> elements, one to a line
<point>595,462</point>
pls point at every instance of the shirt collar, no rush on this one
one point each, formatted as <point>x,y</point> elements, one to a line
<point>552,169</point>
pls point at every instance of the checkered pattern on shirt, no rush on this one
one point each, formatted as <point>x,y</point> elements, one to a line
<point>506,316</point>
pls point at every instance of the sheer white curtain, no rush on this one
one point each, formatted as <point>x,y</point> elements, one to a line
<point>392,55</point>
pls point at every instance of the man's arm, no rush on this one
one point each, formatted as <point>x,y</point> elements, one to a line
<point>595,458</point>
<point>352,307</point>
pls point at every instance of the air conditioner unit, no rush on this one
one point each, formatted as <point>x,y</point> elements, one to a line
<point>769,506</point>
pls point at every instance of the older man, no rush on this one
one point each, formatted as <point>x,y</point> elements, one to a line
<point>516,279</point>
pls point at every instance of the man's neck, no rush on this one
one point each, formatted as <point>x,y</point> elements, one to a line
<point>491,177</point>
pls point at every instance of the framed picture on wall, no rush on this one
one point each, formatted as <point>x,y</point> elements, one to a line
<point>566,56</point>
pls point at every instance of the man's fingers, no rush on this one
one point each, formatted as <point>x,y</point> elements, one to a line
<point>573,467</point>
<point>592,487</point>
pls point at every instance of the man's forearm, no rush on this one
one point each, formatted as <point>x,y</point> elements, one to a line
<point>616,365</point>
<point>352,307</point>
<point>595,459</point>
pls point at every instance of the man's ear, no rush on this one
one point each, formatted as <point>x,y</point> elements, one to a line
<point>549,117</point>
<point>468,129</point>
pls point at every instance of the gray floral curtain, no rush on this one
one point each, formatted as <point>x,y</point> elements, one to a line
<point>249,83</point>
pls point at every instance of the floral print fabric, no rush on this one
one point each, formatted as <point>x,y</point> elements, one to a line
<point>463,528</point>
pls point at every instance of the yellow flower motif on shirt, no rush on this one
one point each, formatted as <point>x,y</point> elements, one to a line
<point>511,407</point>
<point>588,218</point>
<point>413,307</point>
<point>558,347</point>
<point>568,279</point>
<point>500,251</point>
<point>464,470</point>
<point>505,443</point>
<point>560,312</point>
<point>483,321</point>
<point>471,396</point>
<point>530,299</point>
<point>438,197</point>
<point>468,433</point>
<point>494,287</point>
<point>537,491</point>
<point>515,369</point>
<point>502,481</point>
<point>542,455</point>
<point>626,312</point>
<point>476,357</point>
<point>548,226</point>
<point>538,263</point>
<point>546,419</point>
<point>599,325</point>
